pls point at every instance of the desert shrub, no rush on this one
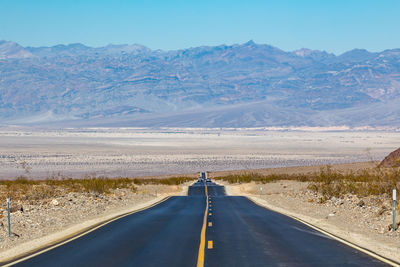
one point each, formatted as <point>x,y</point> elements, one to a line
<point>93,184</point>
<point>330,183</point>
<point>375,181</point>
<point>163,181</point>
<point>259,178</point>
<point>23,188</point>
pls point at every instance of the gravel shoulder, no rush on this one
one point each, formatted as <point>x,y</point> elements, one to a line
<point>364,222</point>
<point>39,226</point>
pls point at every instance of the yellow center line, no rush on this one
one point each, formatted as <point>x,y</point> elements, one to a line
<point>200,258</point>
<point>210,244</point>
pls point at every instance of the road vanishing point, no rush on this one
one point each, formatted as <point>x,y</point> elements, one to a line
<point>205,228</point>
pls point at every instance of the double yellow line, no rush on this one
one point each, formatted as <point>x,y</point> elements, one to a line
<point>200,258</point>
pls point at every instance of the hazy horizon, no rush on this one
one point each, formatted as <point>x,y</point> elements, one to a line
<point>335,27</point>
<point>191,47</point>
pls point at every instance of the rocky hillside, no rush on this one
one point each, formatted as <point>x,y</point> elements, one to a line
<point>230,85</point>
<point>392,160</point>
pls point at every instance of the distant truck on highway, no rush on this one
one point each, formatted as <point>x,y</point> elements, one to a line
<point>203,177</point>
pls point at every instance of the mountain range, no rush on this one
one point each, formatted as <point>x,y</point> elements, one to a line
<point>240,85</point>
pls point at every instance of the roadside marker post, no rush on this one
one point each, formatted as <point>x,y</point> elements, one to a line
<point>260,191</point>
<point>8,213</point>
<point>394,209</point>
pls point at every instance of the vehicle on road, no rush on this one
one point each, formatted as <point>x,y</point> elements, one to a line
<point>203,177</point>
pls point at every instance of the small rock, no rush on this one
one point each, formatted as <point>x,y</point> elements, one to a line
<point>16,208</point>
<point>331,214</point>
<point>382,210</point>
<point>390,226</point>
<point>54,202</point>
<point>361,203</point>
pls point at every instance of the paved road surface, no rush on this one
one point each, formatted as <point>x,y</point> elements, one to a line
<point>242,234</point>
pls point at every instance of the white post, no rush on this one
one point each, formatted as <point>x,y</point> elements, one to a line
<point>260,191</point>
<point>394,209</point>
<point>8,211</point>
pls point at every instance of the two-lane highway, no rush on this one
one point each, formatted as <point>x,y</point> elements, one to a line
<point>237,233</point>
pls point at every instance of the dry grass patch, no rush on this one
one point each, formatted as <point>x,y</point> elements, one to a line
<point>330,183</point>
<point>23,188</point>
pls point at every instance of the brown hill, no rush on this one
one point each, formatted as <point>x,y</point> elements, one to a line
<point>392,160</point>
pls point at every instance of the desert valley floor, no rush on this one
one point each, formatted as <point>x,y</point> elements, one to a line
<point>146,152</point>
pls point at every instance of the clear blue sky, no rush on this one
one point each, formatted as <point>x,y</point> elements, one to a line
<point>331,25</point>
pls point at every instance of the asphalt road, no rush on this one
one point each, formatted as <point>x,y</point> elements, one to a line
<point>242,234</point>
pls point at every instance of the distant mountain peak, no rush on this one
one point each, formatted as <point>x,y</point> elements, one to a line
<point>13,50</point>
<point>356,52</point>
<point>125,48</point>
<point>77,45</point>
<point>317,55</point>
<point>303,52</point>
<point>250,43</point>
<point>356,55</point>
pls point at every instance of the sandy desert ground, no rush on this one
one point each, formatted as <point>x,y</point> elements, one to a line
<point>148,152</point>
